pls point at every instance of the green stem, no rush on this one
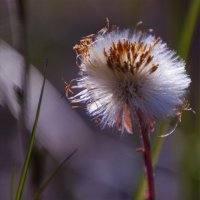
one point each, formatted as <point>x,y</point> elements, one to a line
<point>29,153</point>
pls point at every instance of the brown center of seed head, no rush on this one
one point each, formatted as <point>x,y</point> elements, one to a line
<point>124,56</point>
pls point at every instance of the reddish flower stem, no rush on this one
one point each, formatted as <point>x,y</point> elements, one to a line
<point>147,158</point>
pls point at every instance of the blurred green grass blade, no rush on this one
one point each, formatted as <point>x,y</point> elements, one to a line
<point>190,177</point>
<point>28,155</point>
<point>13,182</point>
<point>188,30</point>
<point>39,192</point>
<point>157,144</point>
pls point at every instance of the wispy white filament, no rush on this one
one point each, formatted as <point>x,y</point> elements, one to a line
<point>115,80</point>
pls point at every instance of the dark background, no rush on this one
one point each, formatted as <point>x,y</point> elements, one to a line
<point>106,165</point>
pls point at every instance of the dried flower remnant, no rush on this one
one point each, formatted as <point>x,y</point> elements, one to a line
<point>123,73</point>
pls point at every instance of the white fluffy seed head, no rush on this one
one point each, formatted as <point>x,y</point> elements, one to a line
<point>122,73</point>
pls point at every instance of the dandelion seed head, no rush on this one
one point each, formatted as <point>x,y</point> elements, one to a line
<point>122,72</point>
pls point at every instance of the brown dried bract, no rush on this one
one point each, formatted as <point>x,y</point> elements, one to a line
<point>68,89</point>
<point>85,42</point>
<point>82,48</point>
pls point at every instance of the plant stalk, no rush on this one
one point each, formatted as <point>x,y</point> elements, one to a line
<point>147,158</point>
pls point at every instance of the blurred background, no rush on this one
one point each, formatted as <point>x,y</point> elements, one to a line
<point>105,165</point>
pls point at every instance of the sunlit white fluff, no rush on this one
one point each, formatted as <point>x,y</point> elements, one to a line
<point>123,72</point>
